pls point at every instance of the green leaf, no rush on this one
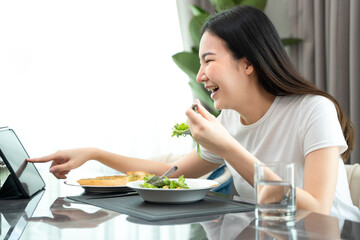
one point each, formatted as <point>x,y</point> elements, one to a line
<point>199,91</point>
<point>196,23</point>
<point>181,182</point>
<point>148,185</point>
<point>290,41</point>
<point>238,2</point>
<point>196,10</point>
<point>179,129</point>
<point>198,149</point>
<point>188,62</point>
<point>222,4</point>
<point>260,4</point>
<point>214,3</point>
<point>195,50</point>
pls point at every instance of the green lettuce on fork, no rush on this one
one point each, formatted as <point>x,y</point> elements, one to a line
<point>180,129</point>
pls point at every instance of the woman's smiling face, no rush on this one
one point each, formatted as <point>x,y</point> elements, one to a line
<point>221,73</point>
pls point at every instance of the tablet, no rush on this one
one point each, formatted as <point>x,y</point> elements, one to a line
<point>23,175</point>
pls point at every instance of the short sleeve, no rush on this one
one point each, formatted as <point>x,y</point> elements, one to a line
<point>210,157</point>
<point>322,128</point>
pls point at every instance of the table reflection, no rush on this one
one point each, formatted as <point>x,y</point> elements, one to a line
<point>229,226</point>
<point>306,226</point>
<point>16,213</point>
<point>65,215</point>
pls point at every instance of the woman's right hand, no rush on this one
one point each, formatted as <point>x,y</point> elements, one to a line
<point>65,160</point>
<point>208,131</point>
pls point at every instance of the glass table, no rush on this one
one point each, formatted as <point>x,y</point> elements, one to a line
<point>50,215</point>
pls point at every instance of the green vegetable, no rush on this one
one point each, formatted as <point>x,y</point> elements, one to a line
<point>181,182</point>
<point>148,185</point>
<point>147,177</point>
<point>169,184</point>
<point>179,129</point>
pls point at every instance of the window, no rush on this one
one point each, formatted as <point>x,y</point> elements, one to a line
<point>93,73</point>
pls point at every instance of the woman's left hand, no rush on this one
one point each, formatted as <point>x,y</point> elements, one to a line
<point>207,130</point>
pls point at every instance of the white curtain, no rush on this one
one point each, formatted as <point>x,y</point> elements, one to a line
<point>92,73</point>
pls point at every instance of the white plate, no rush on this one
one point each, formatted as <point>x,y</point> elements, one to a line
<point>197,191</point>
<point>99,189</point>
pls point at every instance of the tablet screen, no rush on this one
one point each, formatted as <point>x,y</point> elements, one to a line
<point>14,154</point>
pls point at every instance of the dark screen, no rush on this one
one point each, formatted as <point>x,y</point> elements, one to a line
<point>15,155</point>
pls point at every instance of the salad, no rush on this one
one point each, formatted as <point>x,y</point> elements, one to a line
<point>180,129</point>
<point>166,183</point>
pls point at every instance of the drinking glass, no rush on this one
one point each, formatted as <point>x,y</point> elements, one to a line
<point>275,191</point>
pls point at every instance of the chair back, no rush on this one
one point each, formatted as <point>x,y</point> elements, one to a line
<point>353,175</point>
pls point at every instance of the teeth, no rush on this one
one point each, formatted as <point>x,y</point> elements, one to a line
<point>211,89</point>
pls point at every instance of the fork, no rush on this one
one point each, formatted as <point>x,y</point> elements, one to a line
<point>158,180</point>
<point>187,132</point>
<point>195,108</point>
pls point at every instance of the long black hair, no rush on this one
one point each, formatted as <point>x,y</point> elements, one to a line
<point>249,33</point>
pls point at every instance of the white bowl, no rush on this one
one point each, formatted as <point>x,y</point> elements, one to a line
<point>196,192</point>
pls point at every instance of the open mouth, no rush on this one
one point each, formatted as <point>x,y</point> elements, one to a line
<point>213,89</point>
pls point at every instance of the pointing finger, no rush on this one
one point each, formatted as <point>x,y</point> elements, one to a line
<point>41,159</point>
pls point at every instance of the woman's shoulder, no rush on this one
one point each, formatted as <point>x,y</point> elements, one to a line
<point>303,107</point>
<point>306,101</point>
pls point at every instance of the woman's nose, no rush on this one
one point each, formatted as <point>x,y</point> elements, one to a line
<point>201,77</point>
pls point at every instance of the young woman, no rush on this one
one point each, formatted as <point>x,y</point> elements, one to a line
<point>269,113</point>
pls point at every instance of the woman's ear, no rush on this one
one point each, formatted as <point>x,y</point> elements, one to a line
<point>249,68</point>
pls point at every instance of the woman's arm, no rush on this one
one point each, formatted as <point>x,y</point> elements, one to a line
<point>65,160</point>
<point>319,181</point>
<point>190,165</point>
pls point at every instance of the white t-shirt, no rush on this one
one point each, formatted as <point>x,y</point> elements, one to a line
<point>292,127</point>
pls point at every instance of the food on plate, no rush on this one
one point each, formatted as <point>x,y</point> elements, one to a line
<point>167,183</point>
<point>116,180</point>
<point>180,129</point>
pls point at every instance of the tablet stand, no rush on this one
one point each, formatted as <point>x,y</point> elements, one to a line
<point>10,190</point>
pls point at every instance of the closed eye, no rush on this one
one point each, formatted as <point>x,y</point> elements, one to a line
<point>205,56</point>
